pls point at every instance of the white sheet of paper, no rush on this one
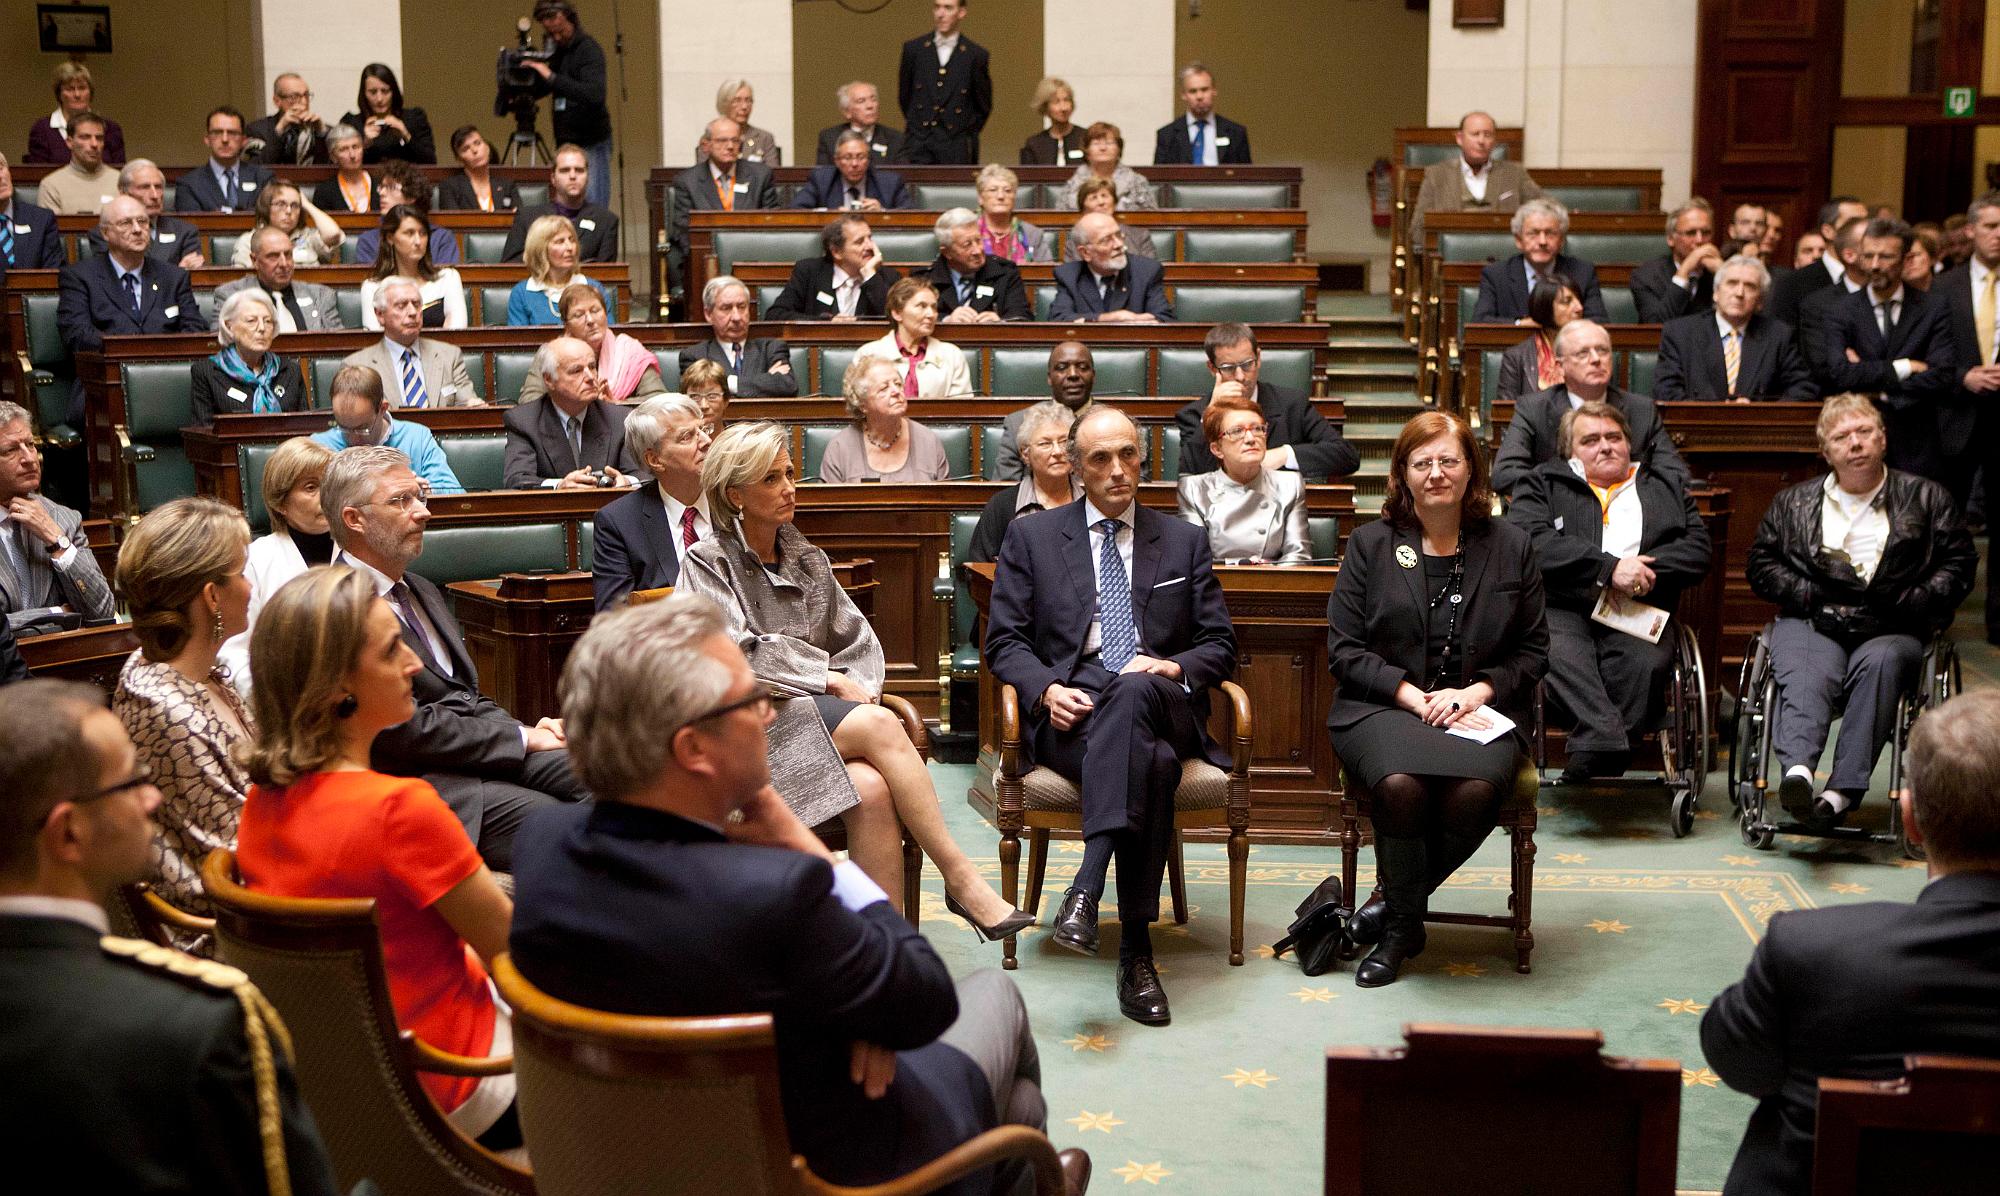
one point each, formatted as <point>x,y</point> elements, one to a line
<point>1629,615</point>
<point>1501,725</point>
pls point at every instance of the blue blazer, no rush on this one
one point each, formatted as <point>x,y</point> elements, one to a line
<point>632,910</point>
<point>632,547</point>
<point>197,190</point>
<point>37,244</point>
<point>825,188</point>
<point>1503,288</point>
<point>1141,286</point>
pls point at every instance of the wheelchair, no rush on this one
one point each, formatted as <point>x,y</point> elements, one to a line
<point>1939,676</point>
<point>1684,734</point>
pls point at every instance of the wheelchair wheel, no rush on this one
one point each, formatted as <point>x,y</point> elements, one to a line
<point>1750,751</point>
<point>1682,817</point>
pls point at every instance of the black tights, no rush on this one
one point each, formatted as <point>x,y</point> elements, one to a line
<point>1412,807</point>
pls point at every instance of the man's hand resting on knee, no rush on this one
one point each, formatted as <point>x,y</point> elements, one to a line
<point>1067,707</point>
<point>1169,669</point>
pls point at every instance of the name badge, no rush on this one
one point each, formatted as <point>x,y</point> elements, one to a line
<point>562,104</point>
<point>168,238</point>
<point>742,188</point>
<point>982,291</point>
<point>587,225</point>
<point>1076,153</point>
<point>172,312</point>
<point>881,149</point>
<point>731,379</point>
<point>22,228</point>
<point>247,185</point>
<point>449,391</point>
<point>305,300</point>
<point>827,299</point>
<point>237,394</point>
<point>1559,523</point>
<point>1221,141</point>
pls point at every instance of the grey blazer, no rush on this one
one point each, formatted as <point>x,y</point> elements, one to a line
<point>1508,185</point>
<point>1265,520</point>
<point>320,306</point>
<point>81,587</point>
<point>446,382</point>
<point>795,625</point>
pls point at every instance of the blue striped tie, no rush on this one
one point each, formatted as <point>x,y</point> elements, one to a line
<point>1118,641</point>
<point>413,381</point>
<point>6,238</point>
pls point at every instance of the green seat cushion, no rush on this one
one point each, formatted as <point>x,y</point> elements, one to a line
<point>801,357</point>
<point>490,300</point>
<point>1590,198</point>
<point>157,406</point>
<point>906,244</point>
<point>763,245</point>
<point>510,373</point>
<point>813,451</point>
<point>1213,196</point>
<point>833,363</point>
<point>347,300</point>
<point>935,197</point>
<point>222,246</point>
<point>1475,247</point>
<point>1236,244</point>
<point>1323,534</point>
<point>990,438</point>
<point>472,553</point>
<point>1601,248</point>
<point>534,195</point>
<point>46,350</point>
<point>28,193</point>
<point>250,462</point>
<point>1169,436</point>
<point>1185,371</point>
<point>1044,299</point>
<point>477,459</point>
<point>957,440</point>
<point>586,543</point>
<point>1245,304</point>
<point>1643,364</point>
<point>767,294</point>
<point>1619,306</point>
<point>483,246</point>
<point>1426,154</point>
<point>321,371</point>
<point>350,252</point>
<point>1489,381</point>
<point>1024,371</point>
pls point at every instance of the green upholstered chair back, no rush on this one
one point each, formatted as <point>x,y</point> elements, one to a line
<point>534,195</point>
<point>906,244</point>
<point>320,373</point>
<point>1601,248</point>
<point>1641,365</point>
<point>1184,371</point>
<point>1475,247</point>
<point>1042,298</point>
<point>1468,302</point>
<point>801,357</point>
<point>833,363</point>
<point>813,450</point>
<point>347,300</point>
<point>477,459</point>
<point>489,304</point>
<point>764,245</point>
<point>510,373</point>
<point>52,373</point>
<point>1489,382</point>
<point>157,406</point>
<point>1591,197</point>
<point>1619,304</point>
<point>1212,196</point>
<point>586,544</point>
<point>935,197</point>
<point>1234,244</point>
<point>205,300</point>
<point>1245,304</point>
<point>350,254</point>
<point>1169,436</point>
<point>222,246</point>
<point>471,553</point>
<point>964,612</point>
<point>990,438</point>
<point>28,193</point>
<point>767,294</point>
<point>1323,534</point>
<point>957,439</point>
<point>84,249</point>
<point>1024,371</point>
<point>482,246</point>
<point>1426,153</point>
<point>250,462</point>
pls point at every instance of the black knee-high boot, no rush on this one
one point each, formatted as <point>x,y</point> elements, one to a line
<point>1403,866</point>
<point>1448,854</point>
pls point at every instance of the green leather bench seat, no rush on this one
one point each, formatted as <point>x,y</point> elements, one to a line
<point>1630,248</point>
<point>1426,154</point>
<point>768,294</point>
<point>1641,365</point>
<point>1170,452</point>
<point>1619,306</point>
<point>157,406</point>
<point>763,245</point>
<point>586,543</point>
<point>533,195</point>
<point>1185,371</point>
<point>1323,534</point>
<point>906,244</point>
<point>935,197</point>
<point>1594,198</point>
<point>473,553</point>
<point>53,372</point>
<point>1019,370</point>
<point>483,246</point>
<point>1235,245</point>
<point>833,363</point>
<point>1245,304</point>
<point>477,459</point>
<point>347,300</point>
<point>489,305</point>
<point>1214,196</point>
<point>957,440</point>
<point>221,246</point>
<point>510,372</point>
<point>1475,247</point>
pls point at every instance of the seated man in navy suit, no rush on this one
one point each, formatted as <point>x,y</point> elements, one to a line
<point>852,181</point>
<point>1733,353</point>
<point>1108,285</point>
<point>226,182</point>
<point>1109,623</point>
<point>1540,226</point>
<point>688,888</point>
<point>28,236</point>
<point>638,540</point>
<point>753,367</point>
<point>1852,990</point>
<point>123,291</point>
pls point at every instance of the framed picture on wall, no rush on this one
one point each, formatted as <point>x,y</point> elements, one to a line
<point>74,28</point>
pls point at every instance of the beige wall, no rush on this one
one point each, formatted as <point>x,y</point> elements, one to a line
<point>1320,84</point>
<point>832,46</point>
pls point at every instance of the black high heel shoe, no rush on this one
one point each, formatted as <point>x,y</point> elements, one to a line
<point>1364,927</point>
<point>1012,924</point>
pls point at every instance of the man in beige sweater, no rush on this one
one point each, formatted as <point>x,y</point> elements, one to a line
<point>85,184</point>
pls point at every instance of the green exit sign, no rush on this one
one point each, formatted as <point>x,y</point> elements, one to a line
<point>1959,101</point>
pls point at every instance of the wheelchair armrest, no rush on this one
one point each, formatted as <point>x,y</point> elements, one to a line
<point>1010,731</point>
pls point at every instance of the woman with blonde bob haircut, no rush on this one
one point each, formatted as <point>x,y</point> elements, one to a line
<point>1061,144</point>
<point>809,644</point>
<point>551,252</point>
<point>181,572</point>
<point>298,540</point>
<point>332,672</point>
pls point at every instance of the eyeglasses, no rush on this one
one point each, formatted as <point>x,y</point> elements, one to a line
<point>420,497</point>
<point>1425,464</point>
<point>1237,434</point>
<point>705,396</point>
<point>1049,446</point>
<point>1235,368</point>
<point>142,776</point>
<point>1592,353</point>
<point>761,700</point>
<point>293,97</point>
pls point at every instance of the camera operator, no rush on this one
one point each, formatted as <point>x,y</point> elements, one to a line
<point>575,75</point>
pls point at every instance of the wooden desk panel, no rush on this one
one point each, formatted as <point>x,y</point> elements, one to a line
<point>92,655</point>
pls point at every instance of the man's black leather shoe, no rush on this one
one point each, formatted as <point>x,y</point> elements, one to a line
<point>1076,922</point>
<point>1140,996</point>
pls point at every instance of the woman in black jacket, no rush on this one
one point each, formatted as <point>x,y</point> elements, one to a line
<point>245,376</point>
<point>388,129</point>
<point>1435,625</point>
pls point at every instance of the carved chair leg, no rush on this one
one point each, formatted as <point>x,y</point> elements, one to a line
<point>1524,889</point>
<point>913,879</point>
<point>1177,878</point>
<point>1038,862</point>
<point>1239,858</point>
<point>1010,888</point>
<point>1350,858</point>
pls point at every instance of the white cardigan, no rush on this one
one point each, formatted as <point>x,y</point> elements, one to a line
<point>271,561</point>
<point>942,371</point>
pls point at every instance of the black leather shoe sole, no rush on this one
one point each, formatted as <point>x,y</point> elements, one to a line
<point>1146,1005</point>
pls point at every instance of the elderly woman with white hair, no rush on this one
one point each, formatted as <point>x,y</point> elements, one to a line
<point>639,541</point>
<point>808,643</point>
<point>352,188</point>
<point>735,99</point>
<point>245,375</point>
<point>883,444</point>
<point>1050,482</point>
<point>1001,233</point>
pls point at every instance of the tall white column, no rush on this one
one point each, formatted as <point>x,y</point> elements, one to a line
<point>299,37</point>
<point>703,42</point>
<point>1119,56</point>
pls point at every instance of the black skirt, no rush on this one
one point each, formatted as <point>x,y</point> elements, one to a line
<point>1394,740</point>
<point>832,710</point>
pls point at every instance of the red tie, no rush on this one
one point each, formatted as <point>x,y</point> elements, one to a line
<point>687,528</point>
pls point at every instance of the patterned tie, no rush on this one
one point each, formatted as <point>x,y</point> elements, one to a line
<point>1118,641</point>
<point>399,597</point>
<point>688,537</point>
<point>1732,359</point>
<point>132,293</point>
<point>1200,139</point>
<point>1982,317</point>
<point>965,289</point>
<point>7,245</point>
<point>413,381</point>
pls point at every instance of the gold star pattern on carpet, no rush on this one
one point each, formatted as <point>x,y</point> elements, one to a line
<point>1152,1172</point>
<point>1307,996</point>
<point>1675,1007</point>
<point>1742,861</point>
<point>1464,969</point>
<point>1068,847</point>
<point>1571,857</point>
<point>1088,1121</point>
<point>1613,926</point>
<point>1259,1078</point>
<point>1097,1043</point>
<point>1849,889</point>
<point>1690,1076</point>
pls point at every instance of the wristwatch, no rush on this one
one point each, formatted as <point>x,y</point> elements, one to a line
<point>61,546</point>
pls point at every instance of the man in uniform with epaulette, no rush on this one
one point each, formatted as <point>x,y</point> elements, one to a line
<point>129,1067</point>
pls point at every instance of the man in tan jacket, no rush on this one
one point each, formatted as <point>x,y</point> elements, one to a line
<point>1474,181</point>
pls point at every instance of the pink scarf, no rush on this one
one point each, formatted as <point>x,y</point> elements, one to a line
<point>622,362</point>
<point>916,358</point>
<point>1009,245</point>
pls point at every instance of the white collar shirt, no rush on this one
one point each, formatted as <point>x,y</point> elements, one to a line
<point>1475,180</point>
<point>846,291</point>
<point>1624,528</point>
<point>1835,268</point>
<point>1855,525</point>
<point>945,47</point>
<point>1207,126</point>
<point>382,587</point>
<point>702,527</point>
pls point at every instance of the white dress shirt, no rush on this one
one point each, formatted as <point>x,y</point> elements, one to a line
<point>846,291</point>
<point>1854,525</point>
<point>1091,517</point>
<point>1979,275</point>
<point>1207,127</point>
<point>945,46</point>
<point>1475,180</point>
<point>1624,516</point>
<point>702,527</point>
<point>382,587</point>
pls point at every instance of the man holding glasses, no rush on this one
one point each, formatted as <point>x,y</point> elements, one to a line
<point>1300,437</point>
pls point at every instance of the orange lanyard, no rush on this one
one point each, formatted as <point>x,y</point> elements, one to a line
<point>1607,495</point>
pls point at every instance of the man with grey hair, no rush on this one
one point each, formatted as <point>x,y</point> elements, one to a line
<point>860,103</point>
<point>573,437</point>
<point>1474,181</point>
<point>1853,990</point>
<point>1681,281</point>
<point>29,239</point>
<point>1200,137</point>
<point>122,290</point>
<point>720,182</point>
<point>689,888</point>
<point>1734,353</point>
<point>759,367</point>
<point>1108,285</point>
<point>302,306</point>
<point>416,370</point>
<point>45,566</point>
<point>852,181</point>
<point>293,135</point>
<point>639,540</point>
<point>1583,350</point>
<point>172,239</point>
<point>972,286</point>
<point>1540,227</point>
<point>362,415</point>
<point>489,768</point>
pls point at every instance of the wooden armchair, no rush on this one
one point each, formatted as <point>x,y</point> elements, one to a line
<point>1041,799</point>
<point>319,962</point>
<point>1536,1110</point>
<point>137,911</point>
<point>608,1102</point>
<point>1934,1131</point>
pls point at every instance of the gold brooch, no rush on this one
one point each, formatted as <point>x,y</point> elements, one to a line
<point>1406,556</point>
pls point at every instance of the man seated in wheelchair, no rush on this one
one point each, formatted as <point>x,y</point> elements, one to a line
<point>1865,565</point>
<point>1608,531</point>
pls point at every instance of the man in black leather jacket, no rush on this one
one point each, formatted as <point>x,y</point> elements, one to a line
<point>1865,565</point>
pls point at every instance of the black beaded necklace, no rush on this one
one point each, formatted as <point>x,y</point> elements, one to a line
<point>1452,597</point>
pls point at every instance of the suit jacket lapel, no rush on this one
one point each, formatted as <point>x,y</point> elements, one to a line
<point>1713,364</point>
<point>1413,577</point>
<point>1076,554</point>
<point>1478,559</point>
<point>1906,322</point>
<point>1145,566</point>
<point>446,627</point>
<point>1752,374</point>
<point>557,441</point>
<point>149,289</point>
<point>660,532</point>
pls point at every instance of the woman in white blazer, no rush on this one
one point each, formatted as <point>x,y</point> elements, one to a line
<point>939,365</point>
<point>299,539</point>
<point>1252,515</point>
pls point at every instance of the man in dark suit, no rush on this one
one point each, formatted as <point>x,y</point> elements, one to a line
<point>573,437</point>
<point>720,182</point>
<point>1853,990</point>
<point>1072,381</point>
<point>1300,437</point>
<point>1540,227</point>
<point>294,135</point>
<point>1895,342</point>
<point>1200,137</point>
<point>123,291</point>
<point>29,239</point>
<point>1681,281</point>
<point>1817,306</point>
<point>945,91</point>
<point>860,103</point>
<point>171,238</point>
<point>1583,349</point>
<point>690,889</point>
<point>129,1066</point>
<point>972,286</point>
<point>638,540</point>
<point>847,282</point>
<point>1108,621</point>
<point>12,667</point>
<point>569,191</point>
<point>1108,284</point>
<point>1969,293</point>
<point>758,367</point>
<point>302,306</point>
<point>1792,289</point>
<point>489,768</point>
<point>852,181</point>
<point>1732,352</point>
<point>227,182</point>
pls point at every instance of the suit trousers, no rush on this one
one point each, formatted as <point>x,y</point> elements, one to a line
<point>940,149</point>
<point>1817,676</point>
<point>992,1030</point>
<point>1126,756</point>
<point>1603,678</point>
<point>492,810</point>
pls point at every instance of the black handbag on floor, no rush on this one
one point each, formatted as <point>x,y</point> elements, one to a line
<point>1314,935</point>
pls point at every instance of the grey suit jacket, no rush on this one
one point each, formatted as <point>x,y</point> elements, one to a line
<point>446,383</point>
<point>538,450</point>
<point>1265,520</point>
<point>1508,184</point>
<point>81,587</point>
<point>319,304</point>
<point>694,191</point>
